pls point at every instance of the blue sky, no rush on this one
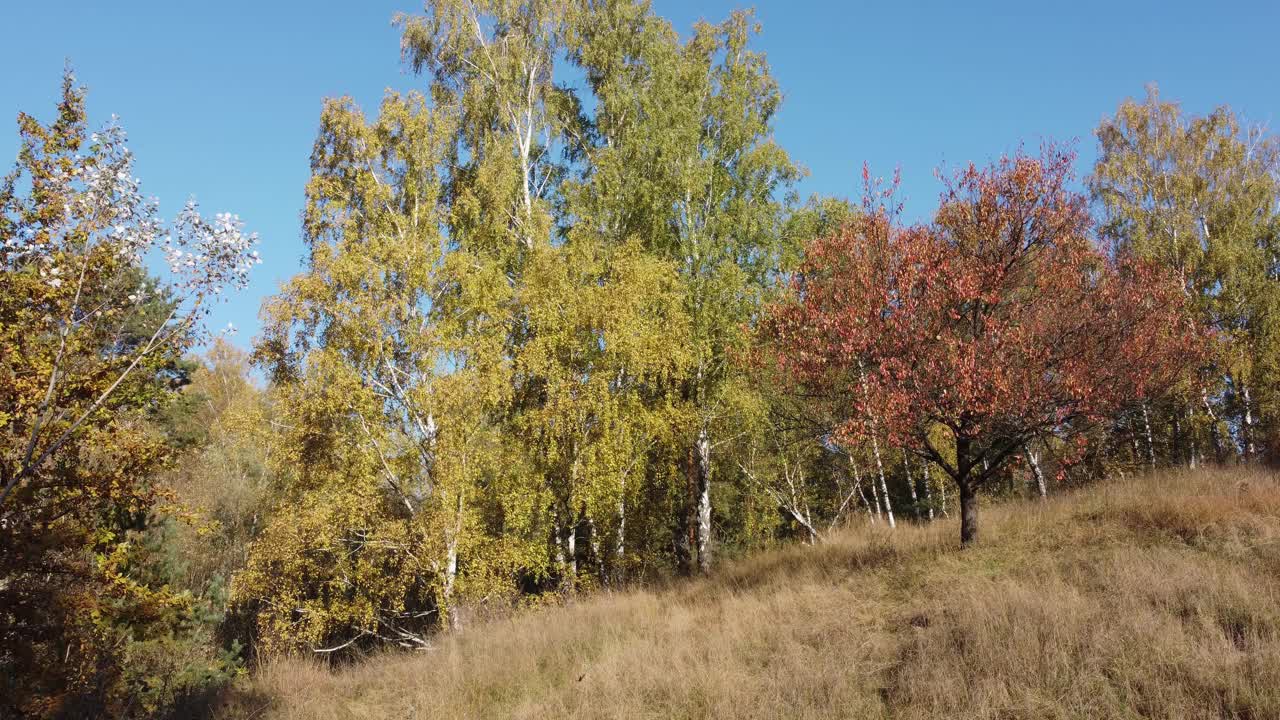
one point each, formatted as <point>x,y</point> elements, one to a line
<point>221,99</point>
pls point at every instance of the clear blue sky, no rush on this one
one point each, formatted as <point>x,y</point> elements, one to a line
<point>221,99</point>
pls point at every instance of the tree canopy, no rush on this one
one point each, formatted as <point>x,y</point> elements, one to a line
<point>563,324</point>
<point>951,339</point>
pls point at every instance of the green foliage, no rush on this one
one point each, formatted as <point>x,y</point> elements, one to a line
<point>91,364</point>
<point>1199,195</point>
<point>517,317</point>
<point>396,492</point>
<point>528,353</point>
<point>682,159</point>
<point>222,486</point>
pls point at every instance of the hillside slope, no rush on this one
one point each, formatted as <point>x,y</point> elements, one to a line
<point>1152,598</point>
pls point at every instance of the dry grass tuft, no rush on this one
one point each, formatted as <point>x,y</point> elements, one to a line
<point>1153,598</point>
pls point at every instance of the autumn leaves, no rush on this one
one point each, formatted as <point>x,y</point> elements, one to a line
<point>1000,323</point>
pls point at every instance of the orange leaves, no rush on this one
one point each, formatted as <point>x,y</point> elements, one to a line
<point>1000,319</point>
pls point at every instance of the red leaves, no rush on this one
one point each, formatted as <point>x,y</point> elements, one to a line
<point>999,319</point>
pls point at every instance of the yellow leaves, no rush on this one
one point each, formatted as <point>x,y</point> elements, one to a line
<point>500,322</point>
<point>336,565</point>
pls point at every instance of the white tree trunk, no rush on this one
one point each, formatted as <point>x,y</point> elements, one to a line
<point>620,548</point>
<point>911,483</point>
<point>928,493</point>
<point>1178,439</point>
<point>450,575</point>
<point>1214,436</point>
<point>451,569</point>
<point>571,549</point>
<point>1034,460</point>
<point>596,550</point>
<point>1249,449</point>
<point>884,487</point>
<point>871,518</point>
<point>1151,445</point>
<point>875,448</point>
<point>704,501</point>
<point>857,483</point>
<point>559,538</point>
<point>875,494</point>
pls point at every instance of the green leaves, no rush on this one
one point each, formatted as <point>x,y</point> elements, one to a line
<point>91,361</point>
<point>1198,195</point>
<point>516,310</point>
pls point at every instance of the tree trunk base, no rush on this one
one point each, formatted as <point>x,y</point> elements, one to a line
<point>968,515</point>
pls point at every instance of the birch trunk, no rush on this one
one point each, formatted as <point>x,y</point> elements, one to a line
<point>1214,436</point>
<point>571,549</point>
<point>875,449</point>
<point>911,483</point>
<point>597,555</point>
<point>1248,423</point>
<point>704,501</point>
<point>857,483</point>
<point>1034,460</point>
<point>1178,440</point>
<point>871,518</point>
<point>1151,445</point>
<point>884,487</point>
<point>450,575</point>
<point>928,492</point>
<point>620,548</point>
<point>559,540</point>
<point>451,569</point>
<point>875,493</point>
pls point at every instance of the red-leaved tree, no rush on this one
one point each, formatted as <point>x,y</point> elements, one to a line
<point>1000,322</point>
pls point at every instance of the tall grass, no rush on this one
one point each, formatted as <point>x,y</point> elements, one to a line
<point>1157,597</point>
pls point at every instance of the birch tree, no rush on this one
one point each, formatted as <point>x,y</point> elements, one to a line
<point>683,144</point>
<point>1201,195</point>
<point>606,329</point>
<point>388,353</point>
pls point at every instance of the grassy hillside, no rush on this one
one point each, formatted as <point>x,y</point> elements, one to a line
<point>1152,598</point>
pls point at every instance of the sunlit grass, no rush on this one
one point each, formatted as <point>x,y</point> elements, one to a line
<point>1158,597</point>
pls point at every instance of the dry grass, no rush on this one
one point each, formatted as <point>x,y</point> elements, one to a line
<point>1155,598</point>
